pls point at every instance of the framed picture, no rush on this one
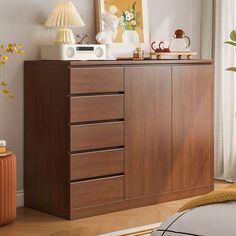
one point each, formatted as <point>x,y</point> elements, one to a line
<point>133,29</point>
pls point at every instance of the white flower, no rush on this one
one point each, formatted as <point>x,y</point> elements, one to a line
<point>133,22</point>
<point>122,18</point>
<point>113,9</point>
<point>131,15</point>
<point>127,18</point>
<point>127,13</point>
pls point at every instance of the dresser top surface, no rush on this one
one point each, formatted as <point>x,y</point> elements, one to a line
<point>120,62</point>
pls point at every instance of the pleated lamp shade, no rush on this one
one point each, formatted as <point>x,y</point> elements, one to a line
<point>65,16</point>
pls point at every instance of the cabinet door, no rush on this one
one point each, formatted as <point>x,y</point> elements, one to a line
<point>147,130</point>
<point>192,122</point>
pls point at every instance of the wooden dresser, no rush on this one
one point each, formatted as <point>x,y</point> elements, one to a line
<point>107,136</point>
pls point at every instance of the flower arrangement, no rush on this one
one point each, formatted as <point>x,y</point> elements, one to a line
<point>130,18</point>
<point>5,52</point>
<point>233,43</point>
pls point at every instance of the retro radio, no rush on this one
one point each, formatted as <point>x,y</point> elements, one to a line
<point>81,52</point>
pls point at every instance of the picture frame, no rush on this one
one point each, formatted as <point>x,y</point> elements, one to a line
<point>133,29</point>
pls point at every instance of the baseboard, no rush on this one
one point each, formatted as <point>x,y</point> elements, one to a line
<point>20,198</point>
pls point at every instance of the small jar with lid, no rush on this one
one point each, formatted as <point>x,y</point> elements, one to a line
<point>3,146</point>
<point>138,54</point>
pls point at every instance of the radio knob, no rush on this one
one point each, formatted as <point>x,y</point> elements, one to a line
<point>99,52</point>
<point>70,52</point>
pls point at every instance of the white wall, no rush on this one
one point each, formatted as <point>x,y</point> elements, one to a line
<point>168,15</point>
<point>21,22</point>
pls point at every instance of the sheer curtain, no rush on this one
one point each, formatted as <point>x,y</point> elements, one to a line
<point>225,92</point>
<point>207,29</point>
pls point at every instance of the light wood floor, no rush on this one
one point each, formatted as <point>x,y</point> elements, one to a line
<point>33,223</point>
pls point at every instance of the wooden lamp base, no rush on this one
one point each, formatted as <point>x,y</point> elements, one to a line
<point>7,188</point>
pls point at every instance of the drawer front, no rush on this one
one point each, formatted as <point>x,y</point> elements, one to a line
<point>97,164</point>
<point>86,137</point>
<point>96,108</point>
<point>95,192</point>
<point>97,80</point>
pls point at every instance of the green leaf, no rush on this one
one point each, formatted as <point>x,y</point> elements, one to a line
<point>134,6</point>
<point>231,43</point>
<point>233,35</point>
<point>232,69</point>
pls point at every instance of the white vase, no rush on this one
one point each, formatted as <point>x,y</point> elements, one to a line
<point>130,36</point>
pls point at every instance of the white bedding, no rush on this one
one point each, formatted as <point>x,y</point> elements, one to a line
<point>210,220</point>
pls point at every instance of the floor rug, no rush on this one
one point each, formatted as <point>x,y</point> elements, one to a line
<point>139,231</point>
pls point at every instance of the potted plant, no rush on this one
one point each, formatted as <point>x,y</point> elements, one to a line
<point>129,22</point>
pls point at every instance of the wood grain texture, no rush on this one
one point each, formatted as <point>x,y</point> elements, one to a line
<point>148,130</point>
<point>58,151</point>
<point>34,223</point>
<point>139,202</point>
<point>96,192</point>
<point>139,63</point>
<point>97,108</point>
<point>87,137</point>
<point>97,164</point>
<point>46,138</point>
<point>97,80</point>
<point>98,15</point>
<point>81,64</point>
<point>192,123</point>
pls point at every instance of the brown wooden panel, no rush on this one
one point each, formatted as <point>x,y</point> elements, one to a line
<point>97,64</point>
<point>139,202</point>
<point>95,164</point>
<point>46,138</point>
<point>85,137</point>
<point>192,160</point>
<point>95,108</point>
<point>95,192</point>
<point>147,166</point>
<point>129,62</point>
<point>97,80</point>
<point>147,130</point>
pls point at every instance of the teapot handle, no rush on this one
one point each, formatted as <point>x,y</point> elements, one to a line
<point>161,45</point>
<point>152,46</point>
<point>189,41</point>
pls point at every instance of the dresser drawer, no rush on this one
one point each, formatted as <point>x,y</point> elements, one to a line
<point>97,80</point>
<point>96,108</point>
<point>96,164</point>
<point>95,192</point>
<point>86,137</point>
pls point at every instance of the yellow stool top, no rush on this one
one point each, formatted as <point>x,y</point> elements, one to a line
<point>7,153</point>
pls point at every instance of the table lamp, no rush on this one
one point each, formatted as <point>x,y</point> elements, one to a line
<point>65,16</point>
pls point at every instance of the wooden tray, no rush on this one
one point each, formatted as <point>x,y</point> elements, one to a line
<point>178,55</point>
